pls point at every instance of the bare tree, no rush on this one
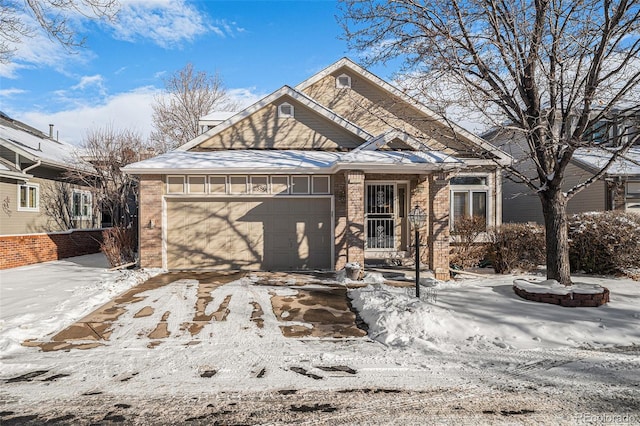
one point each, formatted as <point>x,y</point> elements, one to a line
<point>107,150</point>
<point>552,69</point>
<point>189,95</point>
<point>51,16</point>
<point>57,203</point>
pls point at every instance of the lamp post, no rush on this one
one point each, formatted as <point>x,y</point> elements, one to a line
<point>417,219</point>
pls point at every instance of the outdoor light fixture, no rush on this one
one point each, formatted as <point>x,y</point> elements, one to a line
<point>417,218</point>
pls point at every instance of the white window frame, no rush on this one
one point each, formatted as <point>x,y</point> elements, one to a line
<point>340,85</point>
<point>183,184</point>
<point>266,179</point>
<point>292,185</point>
<point>470,190</point>
<point>86,200</point>
<point>210,185</point>
<point>313,187</point>
<point>206,184</point>
<point>288,191</point>
<point>35,208</point>
<point>283,114</point>
<point>230,184</point>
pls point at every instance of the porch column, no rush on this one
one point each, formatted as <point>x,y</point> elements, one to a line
<point>439,226</point>
<point>355,216</point>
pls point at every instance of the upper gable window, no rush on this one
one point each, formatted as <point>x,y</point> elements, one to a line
<point>285,110</point>
<point>343,81</point>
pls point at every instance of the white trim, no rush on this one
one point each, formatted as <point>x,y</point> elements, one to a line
<point>292,185</point>
<point>283,114</point>
<point>283,91</point>
<point>226,184</point>
<point>183,177</point>
<point>36,208</point>
<point>206,184</point>
<point>340,85</point>
<point>313,187</point>
<point>82,192</point>
<point>230,185</point>
<point>267,183</point>
<point>347,63</point>
<point>178,197</point>
<point>287,177</point>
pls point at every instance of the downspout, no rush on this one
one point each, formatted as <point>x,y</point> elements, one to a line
<point>33,166</point>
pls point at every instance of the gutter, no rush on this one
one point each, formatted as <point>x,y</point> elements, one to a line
<point>33,166</point>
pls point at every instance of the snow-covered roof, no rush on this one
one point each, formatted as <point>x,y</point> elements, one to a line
<point>218,116</point>
<point>596,158</point>
<point>8,170</point>
<point>292,161</point>
<point>35,145</point>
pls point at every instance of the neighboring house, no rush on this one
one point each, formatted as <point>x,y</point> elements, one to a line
<point>32,166</point>
<point>619,189</point>
<point>313,177</point>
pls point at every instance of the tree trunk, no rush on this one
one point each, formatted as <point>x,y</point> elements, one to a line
<point>554,208</point>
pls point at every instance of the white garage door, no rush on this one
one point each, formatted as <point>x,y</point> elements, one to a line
<point>249,233</point>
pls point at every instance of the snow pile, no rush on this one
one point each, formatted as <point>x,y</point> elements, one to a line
<point>397,319</point>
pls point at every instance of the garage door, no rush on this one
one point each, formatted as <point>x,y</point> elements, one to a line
<point>257,234</point>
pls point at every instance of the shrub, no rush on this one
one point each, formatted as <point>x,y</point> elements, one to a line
<point>517,247</point>
<point>467,252</point>
<point>604,242</point>
<point>119,245</point>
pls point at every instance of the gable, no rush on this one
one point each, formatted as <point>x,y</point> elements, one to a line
<point>377,107</point>
<point>265,129</point>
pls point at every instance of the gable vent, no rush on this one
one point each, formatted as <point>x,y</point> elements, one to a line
<point>343,81</point>
<point>285,110</point>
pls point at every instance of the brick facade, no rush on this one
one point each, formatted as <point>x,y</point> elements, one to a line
<point>438,240</point>
<point>150,221</point>
<point>21,250</point>
<point>355,216</point>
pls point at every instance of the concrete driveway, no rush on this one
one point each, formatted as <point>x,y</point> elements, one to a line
<point>304,306</point>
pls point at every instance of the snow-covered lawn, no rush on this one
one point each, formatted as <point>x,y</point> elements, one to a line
<point>472,345</point>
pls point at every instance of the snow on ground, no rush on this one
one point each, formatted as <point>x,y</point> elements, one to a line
<point>472,345</point>
<point>473,313</point>
<point>37,300</point>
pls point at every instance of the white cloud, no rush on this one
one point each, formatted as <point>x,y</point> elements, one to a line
<point>166,23</point>
<point>7,93</point>
<point>129,110</point>
<point>89,80</point>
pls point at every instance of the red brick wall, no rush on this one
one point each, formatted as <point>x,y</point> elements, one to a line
<point>20,250</point>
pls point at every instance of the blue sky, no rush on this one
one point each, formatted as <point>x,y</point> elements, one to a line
<point>255,46</point>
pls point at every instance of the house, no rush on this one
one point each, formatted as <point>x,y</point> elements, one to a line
<point>313,177</point>
<point>618,189</point>
<point>32,173</point>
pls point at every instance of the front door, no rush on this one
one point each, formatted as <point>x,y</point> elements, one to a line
<point>381,216</point>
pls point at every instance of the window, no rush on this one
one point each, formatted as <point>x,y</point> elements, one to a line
<point>300,184</point>
<point>28,196</point>
<point>218,184</point>
<point>259,185</point>
<point>279,184</point>
<point>343,81</point>
<point>238,184</point>
<point>175,185</point>
<point>285,110</point>
<point>469,196</point>
<point>320,184</point>
<point>82,205</point>
<point>197,185</point>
